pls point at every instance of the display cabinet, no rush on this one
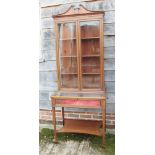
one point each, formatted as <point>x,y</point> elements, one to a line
<point>80,63</point>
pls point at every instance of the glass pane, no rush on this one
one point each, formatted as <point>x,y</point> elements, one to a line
<point>67,30</point>
<point>69,81</point>
<point>89,29</point>
<point>67,47</point>
<point>68,55</point>
<point>90,54</point>
<point>68,65</point>
<point>91,65</point>
<point>91,81</point>
<point>90,47</point>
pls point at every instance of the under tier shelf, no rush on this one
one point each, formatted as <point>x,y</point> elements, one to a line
<point>82,126</point>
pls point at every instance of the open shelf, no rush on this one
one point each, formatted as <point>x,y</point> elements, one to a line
<point>82,126</point>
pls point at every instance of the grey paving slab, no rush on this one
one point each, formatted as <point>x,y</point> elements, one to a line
<point>68,148</point>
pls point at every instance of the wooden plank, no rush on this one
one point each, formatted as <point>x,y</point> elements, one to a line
<point>47,84</point>
<point>49,56</point>
<point>109,29</point>
<point>48,51</point>
<point>44,95</point>
<point>46,12</point>
<point>110,108</point>
<point>50,3</point>
<point>110,98</point>
<point>109,41</point>
<point>109,64</point>
<point>50,11</point>
<point>47,23</point>
<point>106,5</point>
<point>47,88</point>
<point>48,76</point>
<point>44,105</point>
<point>47,66</point>
<point>110,86</point>
<point>109,75</point>
<point>48,44</point>
<point>48,34</point>
<point>109,17</point>
<point>109,52</point>
<point>44,3</point>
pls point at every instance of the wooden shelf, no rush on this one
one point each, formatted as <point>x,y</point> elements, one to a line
<point>82,126</point>
<point>90,56</point>
<point>91,73</point>
<point>67,73</point>
<point>68,56</point>
<point>90,38</point>
<point>66,39</point>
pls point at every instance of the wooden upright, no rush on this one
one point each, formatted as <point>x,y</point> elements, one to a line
<point>80,68</point>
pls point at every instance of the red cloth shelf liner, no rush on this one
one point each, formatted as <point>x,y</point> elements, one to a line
<point>91,103</point>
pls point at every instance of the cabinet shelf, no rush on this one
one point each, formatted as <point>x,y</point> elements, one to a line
<point>68,73</point>
<point>91,73</point>
<point>68,56</point>
<point>65,39</point>
<point>85,38</point>
<point>90,56</point>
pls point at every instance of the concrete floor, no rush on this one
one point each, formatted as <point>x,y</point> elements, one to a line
<point>68,148</point>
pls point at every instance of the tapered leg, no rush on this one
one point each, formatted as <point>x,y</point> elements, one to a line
<point>54,120</point>
<point>63,115</point>
<point>103,104</point>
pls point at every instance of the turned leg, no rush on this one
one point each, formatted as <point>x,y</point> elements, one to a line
<point>54,121</point>
<point>103,105</point>
<point>63,115</point>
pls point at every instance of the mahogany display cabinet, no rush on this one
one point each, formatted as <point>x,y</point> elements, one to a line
<point>80,68</point>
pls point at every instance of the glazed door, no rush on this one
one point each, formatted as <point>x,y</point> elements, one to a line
<point>67,55</point>
<point>90,54</point>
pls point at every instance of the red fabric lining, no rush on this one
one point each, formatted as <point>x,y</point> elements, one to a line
<point>93,103</point>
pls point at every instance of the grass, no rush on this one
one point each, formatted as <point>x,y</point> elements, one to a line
<point>46,136</point>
